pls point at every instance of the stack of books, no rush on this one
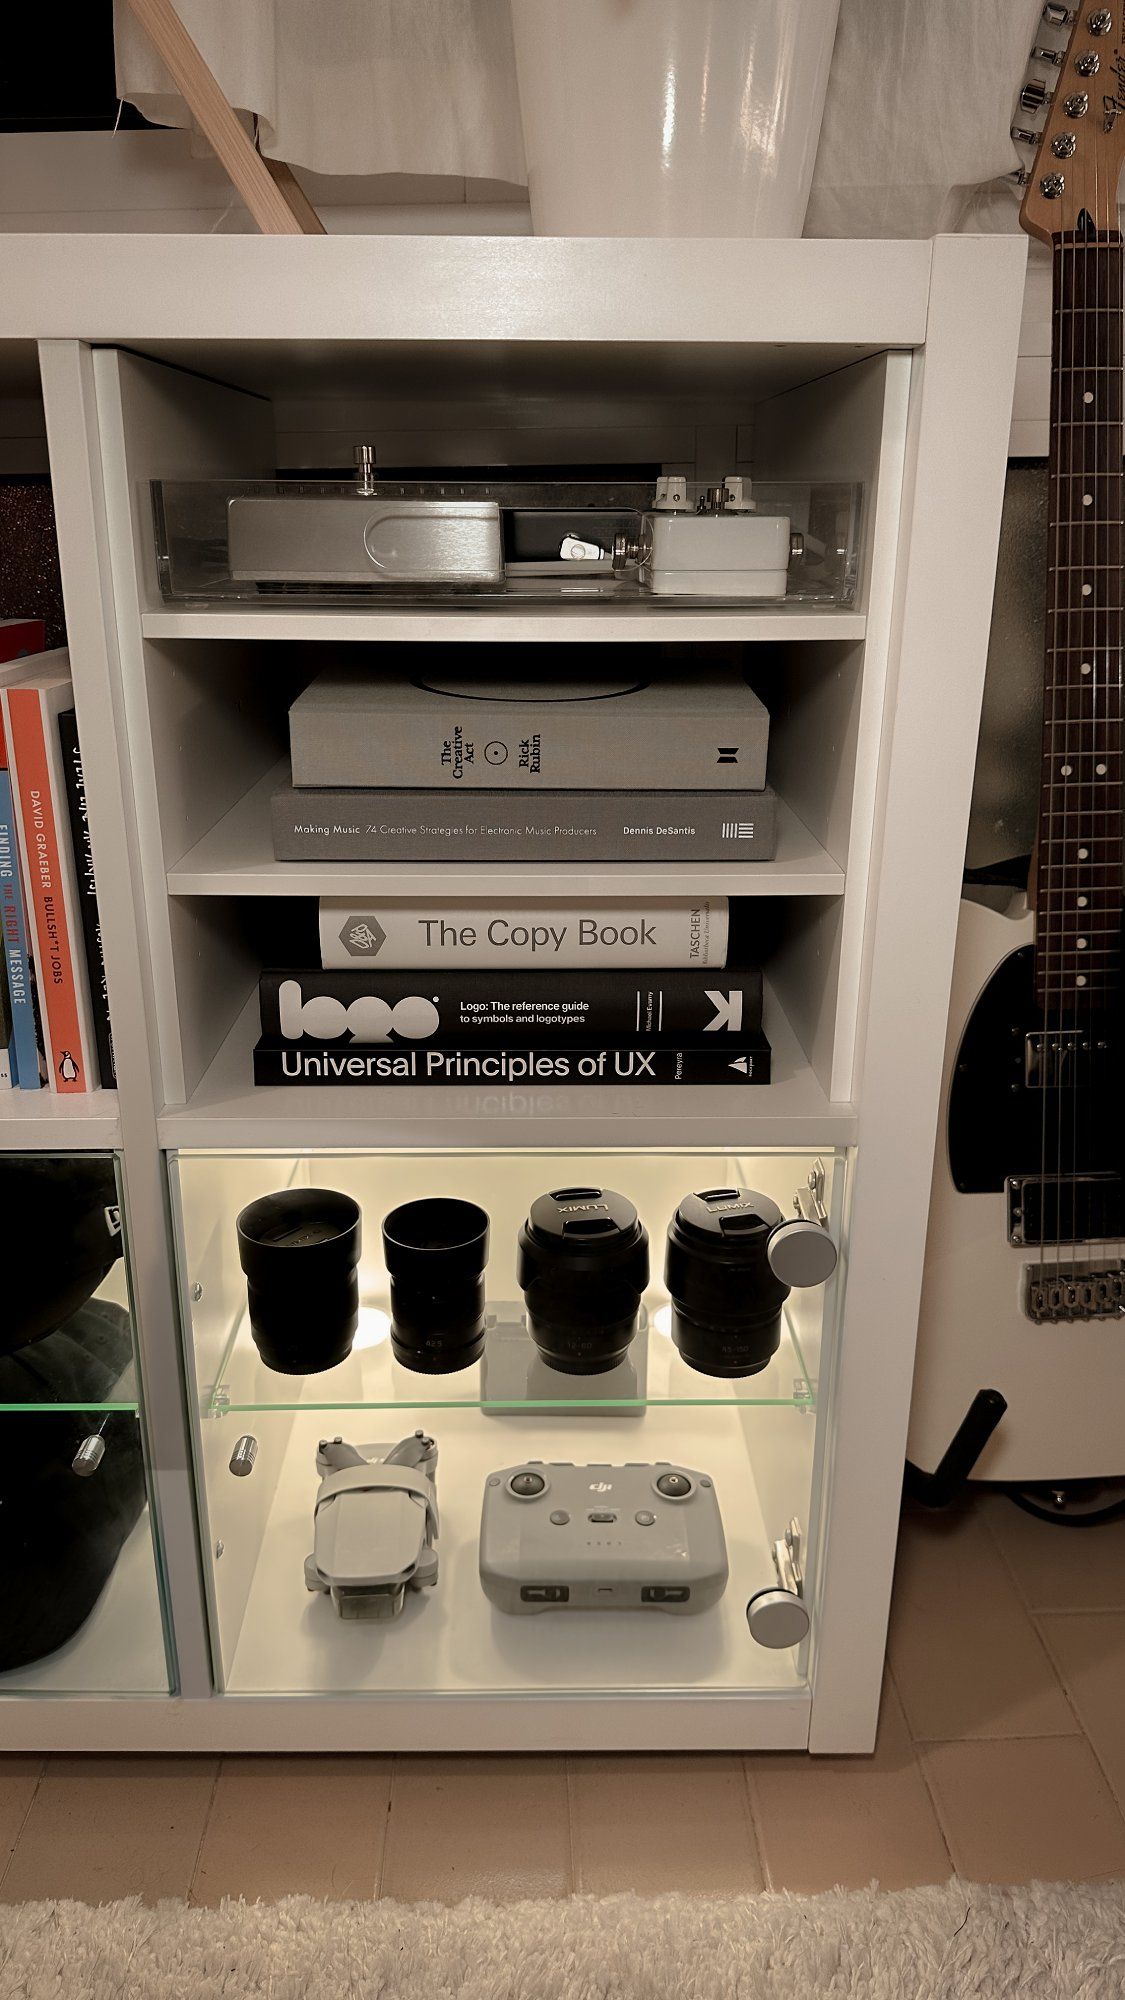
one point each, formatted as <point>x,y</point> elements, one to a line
<point>418,767</point>
<point>55,1024</point>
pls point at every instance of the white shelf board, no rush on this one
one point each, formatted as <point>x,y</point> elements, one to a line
<point>450,1640</point>
<point>41,1121</point>
<point>236,859</point>
<point>227,1109</point>
<point>541,624</point>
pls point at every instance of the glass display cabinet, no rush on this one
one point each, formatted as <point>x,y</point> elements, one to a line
<point>759,1437</point>
<point>83,1601</point>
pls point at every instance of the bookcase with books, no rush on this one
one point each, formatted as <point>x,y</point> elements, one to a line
<point>618,914</point>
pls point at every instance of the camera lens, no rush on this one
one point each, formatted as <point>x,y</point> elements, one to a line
<point>300,1252</point>
<point>583,1266</point>
<point>726,1301</point>
<point>435,1252</point>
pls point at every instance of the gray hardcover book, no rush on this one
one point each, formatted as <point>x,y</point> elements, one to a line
<point>542,826</point>
<point>703,729</point>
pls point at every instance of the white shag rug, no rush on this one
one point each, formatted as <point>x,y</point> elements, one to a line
<point>1046,1942</point>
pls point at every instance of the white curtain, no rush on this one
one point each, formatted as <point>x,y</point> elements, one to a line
<point>914,138</point>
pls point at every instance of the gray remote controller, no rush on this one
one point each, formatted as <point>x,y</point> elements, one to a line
<point>601,1538</point>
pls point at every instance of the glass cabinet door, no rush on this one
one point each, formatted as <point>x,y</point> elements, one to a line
<point>283,1432</point>
<point>83,1610</point>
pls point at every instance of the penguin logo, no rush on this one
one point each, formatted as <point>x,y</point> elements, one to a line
<point>68,1068</point>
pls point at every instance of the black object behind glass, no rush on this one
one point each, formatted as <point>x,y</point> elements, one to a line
<point>582,1268</point>
<point>726,1300</point>
<point>435,1252</point>
<point>300,1251</point>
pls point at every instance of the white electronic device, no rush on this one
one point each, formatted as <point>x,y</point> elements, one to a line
<point>375,1525</point>
<point>716,546</point>
<point>602,1538</point>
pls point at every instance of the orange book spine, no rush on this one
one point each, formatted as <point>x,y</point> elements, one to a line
<point>53,948</point>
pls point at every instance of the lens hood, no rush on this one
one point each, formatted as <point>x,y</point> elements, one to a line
<point>300,1251</point>
<point>435,1251</point>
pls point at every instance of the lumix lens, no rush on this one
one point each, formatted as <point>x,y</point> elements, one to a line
<point>726,1299</point>
<point>583,1267</point>
<point>300,1252</point>
<point>435,1252</point>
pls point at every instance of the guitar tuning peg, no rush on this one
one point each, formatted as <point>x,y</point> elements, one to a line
<point>1055,16</point>
<point>1035,96</point>
<point>1056,57</point>
<point>1019,177</point>
<point>1023,137</point>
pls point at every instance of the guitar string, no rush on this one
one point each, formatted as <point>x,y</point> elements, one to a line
<point>1041,963</point>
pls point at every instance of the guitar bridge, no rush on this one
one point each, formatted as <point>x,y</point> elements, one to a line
<point>1051,1209</point>
<point>1053,1298</point>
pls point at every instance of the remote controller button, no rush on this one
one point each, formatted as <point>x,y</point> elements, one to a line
<point>644,1519</point>
<point>674,1485</point>
<point>526,1485</point>
<point>602,1520</point>
<point>560,1518</point>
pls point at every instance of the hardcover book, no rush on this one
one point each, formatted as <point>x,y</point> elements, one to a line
<point>747,1062</point>
<point>499,1009</point>
<point>539,826</point>
<point>82,850</point>
<point>507,934</point>
<point>702,729</point>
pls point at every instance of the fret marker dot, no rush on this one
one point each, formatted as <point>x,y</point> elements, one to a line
<point>1086,589</point>
<point>1082,902</point>
<point>1100,769</point>
<point>1083,853</point>
<point>1086,666</point>
<point>1088,396</point>
<point>1081,944</point>
<point>1081,979</point>
<point>1066,769</point>
<point>1087,499</point>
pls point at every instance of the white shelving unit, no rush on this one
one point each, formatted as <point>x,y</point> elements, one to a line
<point>889,363</point>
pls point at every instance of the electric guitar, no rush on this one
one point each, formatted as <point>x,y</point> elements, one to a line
<point>1021,1356</point>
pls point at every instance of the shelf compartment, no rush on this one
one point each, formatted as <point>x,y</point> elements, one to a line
<point>236,858</point>
<point>120,1649</point>
<point>227,1109</point>
<point>450,1640</point>
<point>542,625</point>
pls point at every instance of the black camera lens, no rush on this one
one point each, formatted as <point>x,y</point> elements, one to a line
<point>435,1252</point>
<point>582,1268</point>
<point>726,1301</point>
<point>300,1252</point>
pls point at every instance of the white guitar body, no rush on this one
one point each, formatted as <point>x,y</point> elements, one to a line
<point>1064,1384</point>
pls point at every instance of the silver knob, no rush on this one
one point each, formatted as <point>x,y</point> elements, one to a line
<point>243,1456</point>
<point>364,457</point>
<point>1077,105</point>
<point>624,552</point>
<point>777,1619</point>
<point>1056,16</point>
<point>89,1456</point>
<point>1035,95</point>
<point>1100,22</point>
<point>1052,186</point>
<point>1056,57</point>
<point>1088,63</point>
<point>1063,145</point>
<point>801,1253</point>
<point>1022,136</point>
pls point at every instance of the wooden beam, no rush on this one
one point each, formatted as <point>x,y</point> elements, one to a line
<point>277,204</point>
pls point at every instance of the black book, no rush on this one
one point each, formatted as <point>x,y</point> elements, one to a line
<point>87,894</point>
<point>366,1009</point>
<point>730,1064</point>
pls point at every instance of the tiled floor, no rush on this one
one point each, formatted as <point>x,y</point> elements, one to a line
<point>1001,1754</point>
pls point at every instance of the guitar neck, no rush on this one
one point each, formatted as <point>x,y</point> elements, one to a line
<point>1079,872</point>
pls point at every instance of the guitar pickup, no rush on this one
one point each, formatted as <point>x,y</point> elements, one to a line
<point>1051,1209</point>
<point>1061,1059</point>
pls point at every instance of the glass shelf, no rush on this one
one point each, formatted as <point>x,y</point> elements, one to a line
<point>372,1379</point>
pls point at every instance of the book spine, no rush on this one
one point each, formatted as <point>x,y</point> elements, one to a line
<point>24,1046</point>
<point>47,870</point>
<point>281,1063</point>
<point>83,854</point>
<point>663,933</point>
<point>540,826</point>
<point>628,740</point>
<point>513,1009</point>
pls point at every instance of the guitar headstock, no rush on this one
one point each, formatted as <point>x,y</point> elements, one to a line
<point>1081,147</point>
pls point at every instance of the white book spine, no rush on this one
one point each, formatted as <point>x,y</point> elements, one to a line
<point>409,936</point>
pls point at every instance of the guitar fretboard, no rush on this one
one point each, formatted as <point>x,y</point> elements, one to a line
<point>1079,877</point>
